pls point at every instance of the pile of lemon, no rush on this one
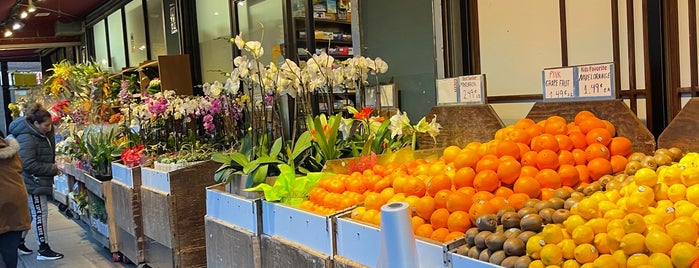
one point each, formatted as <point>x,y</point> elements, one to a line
<point>651,222</point>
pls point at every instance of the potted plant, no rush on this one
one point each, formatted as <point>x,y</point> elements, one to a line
<point>102,148</point>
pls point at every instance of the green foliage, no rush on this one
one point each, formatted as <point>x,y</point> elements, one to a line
<point>102,146</point>
<point>288,188</point>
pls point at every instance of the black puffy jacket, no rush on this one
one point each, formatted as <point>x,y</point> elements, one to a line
<point>38,156</point>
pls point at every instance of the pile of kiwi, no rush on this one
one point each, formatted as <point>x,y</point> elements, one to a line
<point>501,238</point>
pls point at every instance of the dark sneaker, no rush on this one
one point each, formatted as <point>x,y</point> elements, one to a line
<point>48,255</point>
<point>23,250</point>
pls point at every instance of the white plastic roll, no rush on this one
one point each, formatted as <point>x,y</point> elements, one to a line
<point>398,248</point>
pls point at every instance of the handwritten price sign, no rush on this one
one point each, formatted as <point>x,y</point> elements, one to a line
<point>596,81</point>
<point>558,83</point>
<point>471,89</point>
<point>584,82</point>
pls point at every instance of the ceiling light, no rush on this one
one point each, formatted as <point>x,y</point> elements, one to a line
<point>17,25</point>
<point>8,33</point>
<point>23,15</point>
<point>31,7</point>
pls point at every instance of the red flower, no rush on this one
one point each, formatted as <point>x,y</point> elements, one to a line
<point>380,119</point>
<point>364,114</point>
<point>132,156</point>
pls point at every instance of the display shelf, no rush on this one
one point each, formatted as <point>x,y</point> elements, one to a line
<point>462,124</point>
<point>682,130</point>
<point>126,183</point>
<point>233,209</point>
<point>230,246</point>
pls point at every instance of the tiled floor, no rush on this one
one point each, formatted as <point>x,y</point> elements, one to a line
<point>70,237</point>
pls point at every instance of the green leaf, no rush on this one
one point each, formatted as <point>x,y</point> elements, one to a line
<point>239,159</point>
<point>276,148</point>
<point>351,109</point>
<point>260,174</point>
<point>302,144</point>
<point>221,158</point>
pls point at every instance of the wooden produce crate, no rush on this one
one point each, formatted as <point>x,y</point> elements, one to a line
<point>232,225</point>
<point>462,124</point>
<point>682,131</point>
<point>616,111</point>
<point>128,217</point>
<point>174,205</point>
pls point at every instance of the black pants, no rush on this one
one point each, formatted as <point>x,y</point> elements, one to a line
<point>8,248</point>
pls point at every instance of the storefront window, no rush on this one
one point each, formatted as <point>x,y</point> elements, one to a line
<point>116,41</point>
<point>253,15</point>
<point>214,34</point>
<point>100,34</point>
<point>135,33</point>
<point>155,28</point>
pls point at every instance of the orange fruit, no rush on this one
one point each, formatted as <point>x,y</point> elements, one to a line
<point>620,146</point>
<point>439,234</point>
<point>498,202</point>
<point>486,180</point>
<point>578,139</point>
<point>335,185</point>
<point>528,171</point>
<point>555,125</point>
<point>453,236</point>
<point>504,192</point>
<point>599,167</point>
<point>547,159</point>
<point>464,177</point>
<point>466,158</point>
<point>548,178</point>
<point>374,201</point>
<point>565,157</point>
<point>458,201</point>
<point>527,185</point>
<point>579,156</point>
<point>507,148</point>
<point>458,221</point>
<point>450,153</point>
<point>544,141</point>
<point>529,158</point>
<point>517,200</point>
<point>487,162</point>
<point>524,123</point>
<point>382,184</point>
<point>599,135</point>
<point>596,150</point>
<point>468,191</point>
<point>416,222</point>
<point>479,208</point>
<point>414,186</point>
<point>508,171</point>
<point>379,169</point>
<point>590,123</point>
<point>569,175</point>
<point>440,199</point>
<point>440,218</point>
<point>438,183</point>
<point>582,115</point>
<point>610,127</point>
<point>482,195</point>
<point>423,207</point>
<point>424,230</point>
<point>534,130</point>
<point>618,163</point>
<point>564,142</point>
<point>546,193</point>
<point>584,173</point>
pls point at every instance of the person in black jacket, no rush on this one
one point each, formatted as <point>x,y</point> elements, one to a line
<point>34,132</point>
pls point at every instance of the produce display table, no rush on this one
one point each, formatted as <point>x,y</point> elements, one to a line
<point>462,124</point>
<point>682,131</point>
<point>126,190</point>
<point>616,111</point>
<point>174,205</point>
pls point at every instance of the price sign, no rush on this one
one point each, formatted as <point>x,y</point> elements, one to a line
<point>596,81</point>
<point>471,89</point>
<point>558,84</point>
<point>447,91</point>
<point>22,79</point>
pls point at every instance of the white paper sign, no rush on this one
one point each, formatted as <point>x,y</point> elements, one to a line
<point>471,89</point>
<point>596,80</point>
<point>558,83</point>
<point>447,91</point>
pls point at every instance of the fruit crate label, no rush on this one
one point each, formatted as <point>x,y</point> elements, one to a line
<point>596,81</point>
<point>447,91</point>
<point>558,84</point>
<point>472,89</point>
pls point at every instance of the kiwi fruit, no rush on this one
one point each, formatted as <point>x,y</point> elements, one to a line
<point>636,156</point>
<point>479,240</point>
<point>497,257</point>
<point>526,210</point>
<point>557,202</point>
<point>578,195</point>
<point>531,202</point>
<point>675,153</point>
<point>542,205</point>
<point>499,229</point>
<point>560,215</point>
<point>571,202</point>
<point>605,179</point>
<point>503,211</point>
<point>662,151</point>
<point>531,222</point>
<point>487,222</point>
<point>592,188</point>
<point>470,235</point>
<point>632,166</point>
<point>510,220</point>
<point>523,262</point>
<point>662,159</point>
<point>525,235</point>
<point>513,232</point>
<point>561,193</point>
<point>547,215</point>
<point>485,255</point>
<point>494,241</point>
<point>509,262</point>
<point>473,253</point>
<point>649,162</point>
<point>514,247</point>
<point>462,250</point>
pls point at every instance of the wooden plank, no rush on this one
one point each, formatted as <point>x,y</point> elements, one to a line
<point>111,221</point>
<point>682,131</point>
<point>230,246</point>
<point>175,74</point>
<point>564,32</point>
<point>615,111</point>
<point>462,124</point>
<point>156,216</point>
<point>127,208</point>
<point>281,253</point>
<point>340,262</point>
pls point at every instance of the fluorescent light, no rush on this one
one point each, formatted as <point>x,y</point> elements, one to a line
<point>23,15</point>
<point>8,33</point>
<point>31,7</point>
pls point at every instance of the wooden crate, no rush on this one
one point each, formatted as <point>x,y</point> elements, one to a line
<point>174,205</point>
<point>682,131</point>
<point>126,192</point>
<point>462,124</point>
<point>282,253</point>
<point>229,246</point>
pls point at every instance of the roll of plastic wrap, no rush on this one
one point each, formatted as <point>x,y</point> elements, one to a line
<point>398,248</point>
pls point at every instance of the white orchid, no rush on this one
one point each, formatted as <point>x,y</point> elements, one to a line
<point>398,122</point>
<point>432,128</point>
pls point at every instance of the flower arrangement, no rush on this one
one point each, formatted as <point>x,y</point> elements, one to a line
<point>134,157</point>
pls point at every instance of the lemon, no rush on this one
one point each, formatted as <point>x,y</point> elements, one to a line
<point>660,190</point>
<point>614,214</point>
<point>654,227</point>
<point>682,229</point>
<point>645,192</point>
<point>534,246</point>
<point>620,258</point>
<point>612,195</point>
<point>633,243</point>
<point>537,264</point>
<point>568,248</point>
<point>588,209</point>
<point>676,192</point>
<point>598,225</point>
<point>605,261</point>
<point>602,244</point>
<point>683,254</point>
<point>585,253</point>
<point>573,221</point>
<point>636,260</point>
<point>606,205</point>
<point>666,214</point>
<point>634,223</point>
<point>689,158</point>
<point>695,217</point>
<point>551,254</point>
<point>690,176</point>
<point>570,264</point>
<point>659,242</point>
<point>660,260</point>
<point>653,219</point>
<point>670,175</point>
<point>636,204</point>
<point>616,223</point>
<point>552,233</point>
<point>684,209</point>
<point>598,197</point>
<point>693,194</point>
<point>583,234</point>
<point>646,176</point>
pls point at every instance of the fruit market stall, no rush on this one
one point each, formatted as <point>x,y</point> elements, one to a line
<point>682,131</point>
<point>462,124</point>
